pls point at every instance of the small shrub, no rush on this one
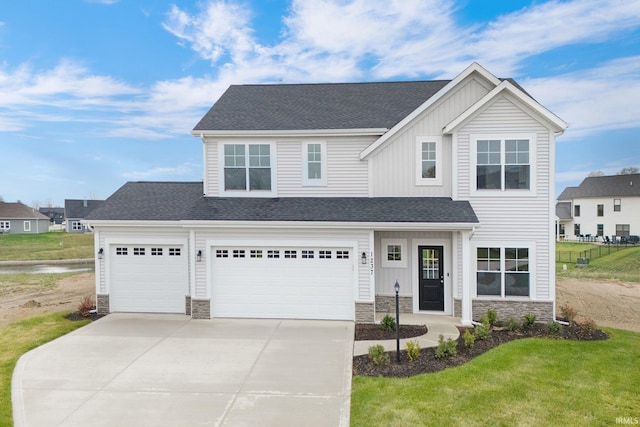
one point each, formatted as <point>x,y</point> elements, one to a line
<point>483,331</point>
<point>446,348</point>
<point>585,327</point>
<point>553,328</point>
<point>85,307</point>
<point>529,320</point>
<point>569,313</point>
<point>378,355</point>
<point>513,325</point>
<point>469,339</point>
<point>413,350</point>
<point>492,317</point>
<point>388,323</point>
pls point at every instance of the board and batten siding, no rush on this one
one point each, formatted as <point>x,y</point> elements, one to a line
<point>503,217</point>
<point>394,165</point>
<point>253,236</point>
<point>347,175</point>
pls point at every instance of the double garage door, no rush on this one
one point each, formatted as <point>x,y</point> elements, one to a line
<point>148,278</point>
<point>282,282</point>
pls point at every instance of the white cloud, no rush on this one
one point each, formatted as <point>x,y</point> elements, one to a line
<point>159,172</point>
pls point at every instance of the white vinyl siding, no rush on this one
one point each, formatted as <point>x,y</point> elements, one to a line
<point>588,219</point>
<point>211,180</point>
<point>393,165</point>
<point>527,217</point>
<point>346,174</point>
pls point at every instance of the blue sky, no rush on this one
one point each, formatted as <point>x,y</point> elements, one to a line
<point>94,93</point>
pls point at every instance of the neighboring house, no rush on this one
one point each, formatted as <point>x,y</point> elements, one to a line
<point>317,198</point>
<point>75,211</point>
<point>601,206</point>
<point>56,215</point>
<point>17,218</point>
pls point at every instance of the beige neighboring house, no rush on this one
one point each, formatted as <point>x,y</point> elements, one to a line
<point>18,218</point>
<point>318,198</point>
<point>600,208</point>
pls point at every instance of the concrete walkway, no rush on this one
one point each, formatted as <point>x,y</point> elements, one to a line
<point>170,370</point>
<point>436,325</point>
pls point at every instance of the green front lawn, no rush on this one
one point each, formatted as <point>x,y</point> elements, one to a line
<point>524,382</point>
<point>46,246</point>
<point>20,337</point>
<point>621,265</point>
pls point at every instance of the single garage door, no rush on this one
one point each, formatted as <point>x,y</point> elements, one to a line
<point>283,282</point>
<point>148,278</point>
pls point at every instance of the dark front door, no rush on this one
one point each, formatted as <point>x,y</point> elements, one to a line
<point>431,278</point>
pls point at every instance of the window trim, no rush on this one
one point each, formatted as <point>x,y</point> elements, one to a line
<point>27,226</point>
<point>314,182</point>
<point>531,247</point>
<point>76,225</point>
<point>384,245</point>
<point>5,225</point>
<point>617,205</point>
<point>247,193</point>
<point>420,181</point>
<point>502,192</point>
<point>599,210</point>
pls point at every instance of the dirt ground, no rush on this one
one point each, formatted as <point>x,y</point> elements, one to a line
<point>17,303</point>
<point>609,303</point>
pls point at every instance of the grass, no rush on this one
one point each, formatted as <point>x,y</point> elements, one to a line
<point>20,337</point>
<point>621,265</point>
<point>46,246</point>
<point>524,382</point>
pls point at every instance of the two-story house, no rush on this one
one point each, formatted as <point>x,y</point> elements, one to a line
<point>601,206</point>
<point>317,198</point>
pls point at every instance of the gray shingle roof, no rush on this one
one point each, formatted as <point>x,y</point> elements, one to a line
<point>605,186</point>
<point>79,208</point>
<point>317,106</point>
<point>19,211</point>
<point>172,201</point>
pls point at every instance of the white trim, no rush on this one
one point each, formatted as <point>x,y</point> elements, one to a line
<point>273,165</point>
<point>384,252</point>
<point>473,160</point>
<point>454,166</point>
<point>205,174</point>
<point>556,122</point>
<point>437,139</point>
<point>288,133</point>
<point>474,67</point>
<point>322,181</point>
<point>372,271</point>
<point>447,266</point>
<point>27,225</point>
<point>466,297</point>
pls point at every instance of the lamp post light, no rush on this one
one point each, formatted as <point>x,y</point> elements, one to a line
<point>397,288</point>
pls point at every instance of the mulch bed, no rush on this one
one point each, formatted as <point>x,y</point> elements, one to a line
<point>427,361</point>
<point>370,331</point>
<point>76,315</point>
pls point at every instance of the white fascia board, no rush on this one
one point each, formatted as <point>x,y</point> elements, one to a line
<point>473,68</point>
<point>390,226</point>
<point>144,224</point>
<point>556,122</point>
<point>287,133</point>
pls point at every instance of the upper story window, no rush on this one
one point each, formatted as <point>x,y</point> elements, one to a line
<point>429,160</point>
<point>600,209</point>
<point>314,166</point>
<point>247,167</point>
<point>503,164</point>
<point>576,210</point>
<point>617,205</point>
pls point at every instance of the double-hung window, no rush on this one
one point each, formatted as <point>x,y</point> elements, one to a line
<point>5,225</point>
<point>503,164</point>
<point>314,165</point>
<point>429,160</point>
<point>247,167</point>
<point>502,271</point>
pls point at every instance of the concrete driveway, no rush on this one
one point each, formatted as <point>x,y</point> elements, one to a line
<point>170,370</point>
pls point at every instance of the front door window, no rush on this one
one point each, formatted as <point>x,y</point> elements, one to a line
<point>431,278</point>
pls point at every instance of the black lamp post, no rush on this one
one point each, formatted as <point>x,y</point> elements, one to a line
<point>397,288</point>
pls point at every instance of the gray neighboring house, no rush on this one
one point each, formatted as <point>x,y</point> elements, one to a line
<point>56,215</point>
<point>17,218</point>
<point>75,210</point>
<point>317,198</point>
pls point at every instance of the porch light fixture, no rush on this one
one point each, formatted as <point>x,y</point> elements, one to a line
<point>199,255</point>
<point>396,287</point>
<point>363,258</point>
<point>100,253</point>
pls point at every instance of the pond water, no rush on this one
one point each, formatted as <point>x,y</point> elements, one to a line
<point>47,268</point>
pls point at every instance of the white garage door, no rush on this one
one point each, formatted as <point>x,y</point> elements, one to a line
<point>148,278</point>
<point>283,282</point>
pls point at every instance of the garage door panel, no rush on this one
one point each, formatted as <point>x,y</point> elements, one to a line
<point>308,288</point>
<point>150,281</point>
